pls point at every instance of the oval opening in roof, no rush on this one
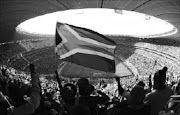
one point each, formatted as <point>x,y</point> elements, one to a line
<point>103,21</point>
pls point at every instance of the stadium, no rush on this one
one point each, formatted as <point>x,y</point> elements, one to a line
<point>145,33</point>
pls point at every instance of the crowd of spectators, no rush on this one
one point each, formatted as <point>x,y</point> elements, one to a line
<point>30,94</point>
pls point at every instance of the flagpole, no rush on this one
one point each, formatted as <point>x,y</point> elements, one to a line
<point>155,62</point>
<point>61,67</point>
<point>58,72</point>
<point>150,81</point>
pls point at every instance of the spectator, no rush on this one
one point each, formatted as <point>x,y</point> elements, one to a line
<point>68,99</point>
<point>68,93</point>
<point>174,103</point>
<point>85,91</point>
<point>21,106</point>
<point>158,98</point>
<point>133,104</point>
<point>142,84</point>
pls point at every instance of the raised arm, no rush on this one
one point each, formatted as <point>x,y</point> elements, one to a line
<point>150,82</point>
<point>120,89</point>
<point>34,100</point>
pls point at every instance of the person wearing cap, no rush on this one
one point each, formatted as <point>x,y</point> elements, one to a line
<point>159,97</point>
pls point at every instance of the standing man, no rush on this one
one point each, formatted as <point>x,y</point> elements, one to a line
<point>158,98</point>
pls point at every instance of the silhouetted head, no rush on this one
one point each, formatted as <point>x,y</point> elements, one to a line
<point>68,91</point>
<point>165,69</point>
<point>160,78</point>
<point>85,88</point>
<point>137,96</point>
<point>141,83</point>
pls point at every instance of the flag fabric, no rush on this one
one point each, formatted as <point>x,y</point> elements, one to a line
<point>84,47</point>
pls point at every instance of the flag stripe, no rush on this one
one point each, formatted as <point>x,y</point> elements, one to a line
<point>92,35</point>
<point>85,51</point>
<point>88,39</point>
<point>92,61</point>
<point>96,50</point>
<point>108,51</point>
<point>58,39</point>
<point>64,40</point>
<point>60,36</point>
<point>85,47</point>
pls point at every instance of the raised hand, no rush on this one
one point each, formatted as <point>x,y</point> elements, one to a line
<point>117,79</point>
<point>56,72</point>
<point>31,66</point>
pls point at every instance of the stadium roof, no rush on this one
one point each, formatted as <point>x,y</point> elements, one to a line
<point>14,12</point>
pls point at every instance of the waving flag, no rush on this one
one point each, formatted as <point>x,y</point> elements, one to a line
<point>85,47</point>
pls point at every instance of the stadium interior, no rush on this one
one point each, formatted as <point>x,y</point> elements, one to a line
<point>27,29</point>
